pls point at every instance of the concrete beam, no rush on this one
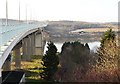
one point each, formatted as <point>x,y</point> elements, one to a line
<point>0,76</point>
<point>38,43</point>
<point>38,39</point>
<point>7,64</point>
<point>33,44</point>
<point>24,49</point>
<point>29,48</point>
<point>17,54</point>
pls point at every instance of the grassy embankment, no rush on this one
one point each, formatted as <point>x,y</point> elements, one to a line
<point>32,69</point>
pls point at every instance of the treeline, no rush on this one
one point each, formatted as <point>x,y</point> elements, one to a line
<point>81,26</point>
<point>76,25</point>
<point>77,64</point>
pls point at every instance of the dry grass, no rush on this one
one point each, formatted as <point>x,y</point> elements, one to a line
<point>31,68</point>
<point>94,30</point>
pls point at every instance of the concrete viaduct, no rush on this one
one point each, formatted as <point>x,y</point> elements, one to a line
<point>21,44</point>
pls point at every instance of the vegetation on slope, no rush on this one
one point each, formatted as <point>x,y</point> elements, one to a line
<point>104,69</point>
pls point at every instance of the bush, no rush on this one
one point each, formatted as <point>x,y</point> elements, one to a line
<point>74,61</point>
<point>107,63</point>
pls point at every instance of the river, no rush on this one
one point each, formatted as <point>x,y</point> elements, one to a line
<point>92,45</point>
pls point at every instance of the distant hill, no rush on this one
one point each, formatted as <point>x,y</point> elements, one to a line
<point>112,23</point>
<point>61,28</point>
<point>77,24</point>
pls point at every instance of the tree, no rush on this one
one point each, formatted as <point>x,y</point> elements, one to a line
<point>50,63</point>
<point>107,36</point>
<point>108,58</point>
<point>108,39</point>
<point>107,43</point>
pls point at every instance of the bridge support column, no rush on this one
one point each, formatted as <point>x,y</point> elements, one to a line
<point>0,75</point>
<point>17,56</point>
<point>33,44</point>
<point>24,49</point>
<point>38,44</point>
<point>7,64</point>
<point>28,48</point>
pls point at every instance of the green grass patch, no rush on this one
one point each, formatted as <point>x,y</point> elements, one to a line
<point>32,69</point>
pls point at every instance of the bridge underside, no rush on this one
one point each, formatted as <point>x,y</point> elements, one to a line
<point>32,44</point>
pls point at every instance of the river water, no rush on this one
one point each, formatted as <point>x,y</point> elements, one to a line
<point>92,45</point>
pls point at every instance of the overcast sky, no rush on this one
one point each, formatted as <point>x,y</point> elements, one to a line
<point>77,10</point>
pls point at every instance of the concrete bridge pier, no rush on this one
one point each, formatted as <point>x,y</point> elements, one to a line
<point>17,54</point>
<point>38,44</point>
<point>24,49</point>
<point>32,45</point>
<point>28,47</point>
<point>32,36</point>
<point>0,75</point>
<point>7,64</point>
